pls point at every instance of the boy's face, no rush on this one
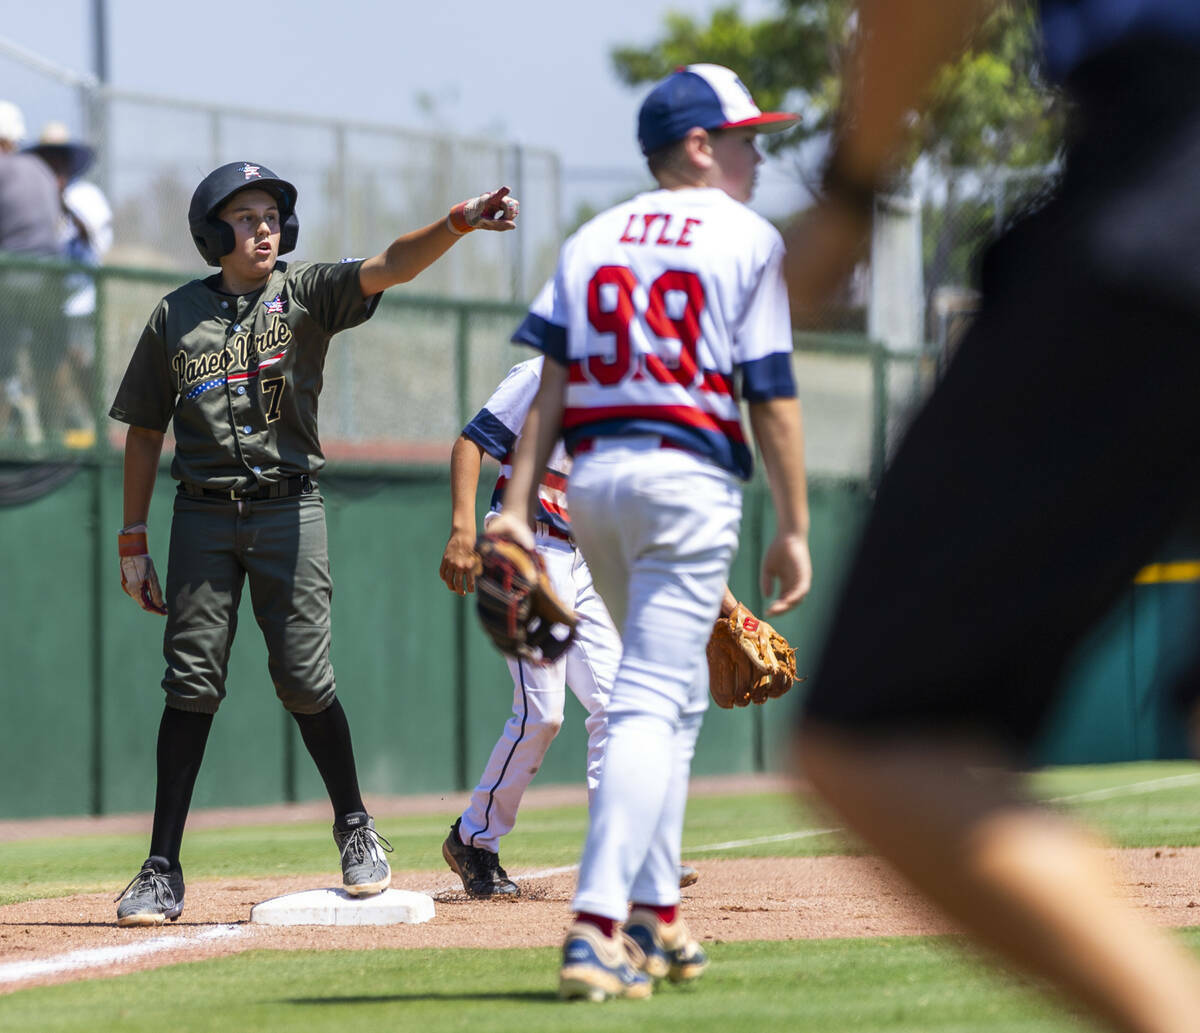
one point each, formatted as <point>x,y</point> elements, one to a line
<point>254,216</point>
<point>735,162</point>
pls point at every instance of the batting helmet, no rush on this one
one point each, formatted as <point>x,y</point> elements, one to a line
<point>213,236</point>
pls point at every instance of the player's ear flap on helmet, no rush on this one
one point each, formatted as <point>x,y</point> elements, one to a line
<point>288,234</point>
<point>212,236</point>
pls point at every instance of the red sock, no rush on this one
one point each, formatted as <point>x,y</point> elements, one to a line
<point>608,926</point>
<point>666,913</point>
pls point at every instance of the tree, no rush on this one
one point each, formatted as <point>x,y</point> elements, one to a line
<point>988,108</point>
<point>794,55</point>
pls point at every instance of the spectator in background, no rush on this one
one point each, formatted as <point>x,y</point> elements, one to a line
<point>29,212</point>
<point>85,235</point>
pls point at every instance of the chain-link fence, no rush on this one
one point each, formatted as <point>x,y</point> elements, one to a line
<point>919,292</point>
<point>961,211</point>
<point>360,185</point>
<point>398,389</point>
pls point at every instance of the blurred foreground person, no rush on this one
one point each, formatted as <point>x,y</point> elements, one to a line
<point>1058,450</point>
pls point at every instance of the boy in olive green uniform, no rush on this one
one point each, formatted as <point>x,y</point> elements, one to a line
<point>233,363</point>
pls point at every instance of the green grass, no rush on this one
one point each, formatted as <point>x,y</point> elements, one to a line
<point>548,837</point>
<point>865,986</point>
<point>922,985</point>
<point>1086,778</point>
<point>1164,814</point>
<point>1159,804</point>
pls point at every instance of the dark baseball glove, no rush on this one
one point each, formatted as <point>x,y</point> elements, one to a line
<point>748,661</point>
<point>516,605</point>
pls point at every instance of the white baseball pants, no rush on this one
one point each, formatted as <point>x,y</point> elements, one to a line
<point>539,696</point>
<point>659,528</point>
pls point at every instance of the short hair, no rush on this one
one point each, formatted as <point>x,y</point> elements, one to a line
<point>665,158</point>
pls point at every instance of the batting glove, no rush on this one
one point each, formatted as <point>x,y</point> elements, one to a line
<point>494,211</point>
<point>137,570</point>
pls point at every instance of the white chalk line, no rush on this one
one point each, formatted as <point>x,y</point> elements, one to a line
<point>100,956</point>
<point>96,957</point>
<point>1112,792</point>
<point>1130,789</point>
<point>783,837</point>
<point>733,844</point>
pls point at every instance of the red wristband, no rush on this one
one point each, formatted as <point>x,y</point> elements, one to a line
<point>457,219</point>
<point>133,544</point>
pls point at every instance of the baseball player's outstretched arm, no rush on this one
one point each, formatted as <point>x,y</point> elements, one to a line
<point>541,430</point>
<point>460,563</point>
<point>779,431</point>
<point>409,255</point>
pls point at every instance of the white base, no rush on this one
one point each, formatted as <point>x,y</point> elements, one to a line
<point>337,907</point>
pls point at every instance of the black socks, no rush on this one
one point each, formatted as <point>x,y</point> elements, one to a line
<point>182,736</point>
<point>327,737</point>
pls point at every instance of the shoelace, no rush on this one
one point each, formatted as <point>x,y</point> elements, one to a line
<point>489,862</point>
<point>362,841</point>
<point>157,881</point>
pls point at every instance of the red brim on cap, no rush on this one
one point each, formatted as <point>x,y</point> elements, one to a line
<point>767,122</point>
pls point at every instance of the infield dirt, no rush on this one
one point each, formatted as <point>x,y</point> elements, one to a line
<point>735,899</point>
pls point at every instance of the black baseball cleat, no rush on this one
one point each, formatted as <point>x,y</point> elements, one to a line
<point>479,869</point>
<point>154,895</point>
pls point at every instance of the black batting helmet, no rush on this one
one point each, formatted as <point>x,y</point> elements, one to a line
<point>213,236</point>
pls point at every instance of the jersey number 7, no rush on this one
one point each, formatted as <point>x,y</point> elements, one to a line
<point>615,318</point>
<point>273,393</point>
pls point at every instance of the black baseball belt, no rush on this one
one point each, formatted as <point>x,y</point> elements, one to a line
<point>301,484</point>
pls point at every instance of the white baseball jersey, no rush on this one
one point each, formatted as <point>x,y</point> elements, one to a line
<point>588,667</point>
<point>496,428</point>
<point>666,311</point>
<point>659,307</point>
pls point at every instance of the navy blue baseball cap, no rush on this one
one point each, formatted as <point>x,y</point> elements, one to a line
<point>59,151</point>
<point>705,97</point>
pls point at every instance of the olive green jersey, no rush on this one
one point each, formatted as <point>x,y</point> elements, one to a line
<point>240,376</point>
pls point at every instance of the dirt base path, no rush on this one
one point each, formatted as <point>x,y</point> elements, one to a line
<point>54,941</point>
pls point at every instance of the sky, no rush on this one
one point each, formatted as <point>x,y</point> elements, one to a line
<point>532,72</point>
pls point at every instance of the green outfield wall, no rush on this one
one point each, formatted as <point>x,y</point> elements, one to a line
<point>80,664</point>
<point>1121,686</point>
<point>425,691</point>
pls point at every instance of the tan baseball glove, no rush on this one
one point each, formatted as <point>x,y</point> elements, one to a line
<point>748,661</point>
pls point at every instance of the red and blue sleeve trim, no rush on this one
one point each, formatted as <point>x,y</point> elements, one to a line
<point>490,434</point>
<point>768,377</point>
<point>548,338</point>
